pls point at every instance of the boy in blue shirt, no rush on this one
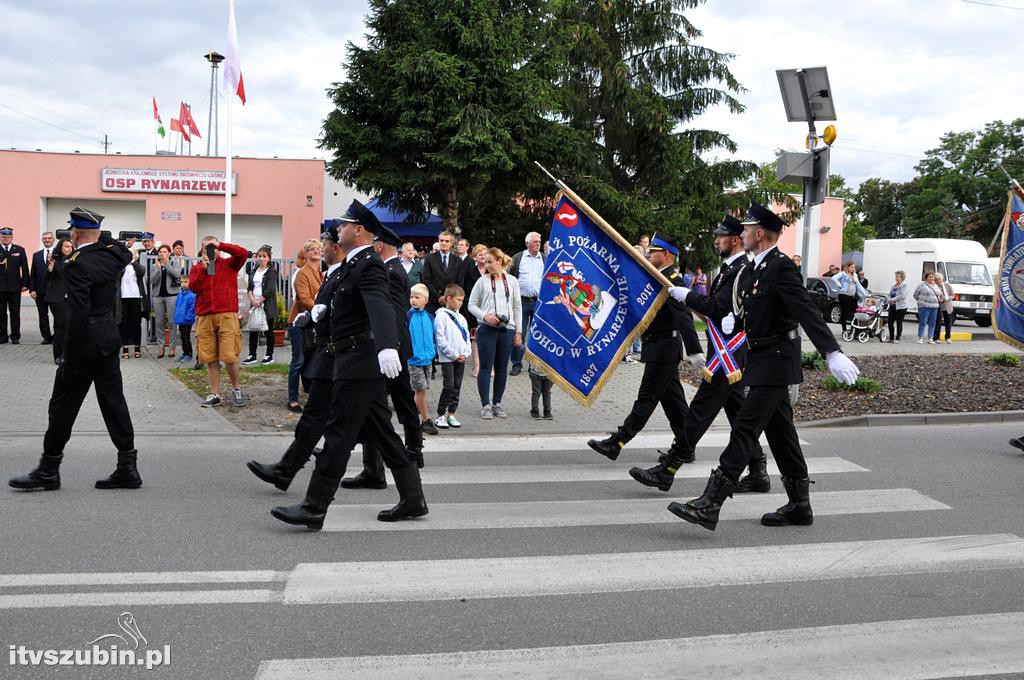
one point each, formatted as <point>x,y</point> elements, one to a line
<point>421,330</point>
<point>184,318</point>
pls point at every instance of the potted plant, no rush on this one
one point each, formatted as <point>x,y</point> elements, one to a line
<point>280,322</point>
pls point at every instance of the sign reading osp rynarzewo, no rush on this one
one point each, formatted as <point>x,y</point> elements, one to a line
<point>155,181</point>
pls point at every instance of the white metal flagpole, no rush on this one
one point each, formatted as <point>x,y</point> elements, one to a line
<point>227,178</point>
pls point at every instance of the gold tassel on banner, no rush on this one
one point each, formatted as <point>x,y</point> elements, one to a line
<point>734,377</point>
<point>706,374</point>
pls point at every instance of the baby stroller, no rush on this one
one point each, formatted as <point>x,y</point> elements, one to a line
<point>869,321</point>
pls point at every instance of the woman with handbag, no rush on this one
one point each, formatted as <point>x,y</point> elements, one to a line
<point>945,314</point>
<point>263,300</point>
<point>164,286</point>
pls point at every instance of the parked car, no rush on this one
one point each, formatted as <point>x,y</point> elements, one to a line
<point>825,292</point>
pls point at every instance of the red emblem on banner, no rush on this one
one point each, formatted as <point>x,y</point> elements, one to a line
<point>567,216</point>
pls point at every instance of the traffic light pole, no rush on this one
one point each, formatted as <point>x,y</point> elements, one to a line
<point>805,261</point>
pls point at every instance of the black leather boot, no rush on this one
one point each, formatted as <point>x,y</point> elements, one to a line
<point>704,510</point>
<point>281,473</point>
<point>363,481</point>
<point>410,493</point>
<point>45,477</point>
<point>610,447</point>
<point>797,510</point>
<point>756,480</point>
<point>661,475</point>
<point>414,443</point>
<point>312,511</point>
<point>125,476</point>
<point>372,474</point>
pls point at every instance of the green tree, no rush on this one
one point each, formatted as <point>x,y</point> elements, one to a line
<point>880,203</point>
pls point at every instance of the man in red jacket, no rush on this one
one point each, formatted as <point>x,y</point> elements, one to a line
<point>218,336</point>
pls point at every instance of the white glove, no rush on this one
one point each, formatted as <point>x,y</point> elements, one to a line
<point>697,359</point>
<point>390,364</point>
<point>301,320</point>
<point>844,370</point>
<point>678,293</point>
<point>317,312</point>
<point>728,323</point>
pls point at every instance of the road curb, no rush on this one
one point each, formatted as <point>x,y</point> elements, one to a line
<point>892,419</point>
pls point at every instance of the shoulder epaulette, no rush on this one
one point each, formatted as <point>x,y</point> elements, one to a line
<point>74,256</point>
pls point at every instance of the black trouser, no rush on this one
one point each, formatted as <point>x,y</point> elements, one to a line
<point>131,317</point>
<point>944,318</point>
<point>847,306</point>
<point>711,397</point>
<point>766,409</point>
<point>540,387</point>
<point>896,319</point>
<point>60,326</point>
<point>69,390</point>
<point>10,301</point>
<point>254,341</point>
<point>44,308</point>
<point>400,391</point>
<point>451,374</point>
<point>313,422</point>
<point>185,336</point>
<point>660,383</point>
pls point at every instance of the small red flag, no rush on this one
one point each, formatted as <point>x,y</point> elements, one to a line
<point>176,127</point>
<point>187,120</point>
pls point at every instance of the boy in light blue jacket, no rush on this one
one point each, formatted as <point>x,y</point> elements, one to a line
<point>421,331</point>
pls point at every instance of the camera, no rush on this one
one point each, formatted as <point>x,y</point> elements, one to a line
<point>502,323</point>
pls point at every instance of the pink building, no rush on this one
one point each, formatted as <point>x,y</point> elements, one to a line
<point>275,202</point>
<point>826,246</point>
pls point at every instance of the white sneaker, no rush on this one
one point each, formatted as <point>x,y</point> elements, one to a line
<point>931,342</point>
<point>486,413</point>
<point>628,359</point>
<point>896,341</point>
<point>499,411</point>
<point>441,421</point>
<point>920,341</point>
<point>949,342</point>
<point>452,422</point>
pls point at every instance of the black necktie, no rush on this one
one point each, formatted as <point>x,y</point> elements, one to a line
<point>444,261</point>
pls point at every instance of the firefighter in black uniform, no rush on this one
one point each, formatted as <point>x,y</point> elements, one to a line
<point>773,303</point>
<point>364,343</point>
<point>670,332</point>
<point>318,369</point>
<point>386,244</point>
<point>717,393</point>
<point>89,358</point>
<point>13,282</point>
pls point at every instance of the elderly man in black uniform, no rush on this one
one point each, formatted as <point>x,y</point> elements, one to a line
<point>386,244</point>
<point>364,342</point>
<point>772,301</point>
<point>717,392</point>
<point>14,280</point>
<point>670,332</point>
<point>318,369</point>
<point>92,275</point>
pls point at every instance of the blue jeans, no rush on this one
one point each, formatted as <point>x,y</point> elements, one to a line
<point>295,367</point>
<point>926,317</point>
<point>494,348</point>
<point>518,352</point>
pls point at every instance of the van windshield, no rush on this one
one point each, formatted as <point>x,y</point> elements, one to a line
<point>972,273</point>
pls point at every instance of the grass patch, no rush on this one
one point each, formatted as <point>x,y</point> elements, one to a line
<point>700,326</point>
<point>1011,360</point>
<point>198,383</point>
<point>865,385</point>
<point>278,369</point>
<point>812,360</point>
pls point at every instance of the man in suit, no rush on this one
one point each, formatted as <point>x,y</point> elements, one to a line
<point>669,333</point>
<point>411,264</point>
<point>37,285</point>
<point>773,303</point>
<point>718,392</point>
<point>364,342</point>
<point>439,270</point>
<point>14,280</point>
<point>89,358</point>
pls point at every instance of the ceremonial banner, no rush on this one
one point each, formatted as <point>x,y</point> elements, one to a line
<point>1008,311</point>
<point>596,297</point>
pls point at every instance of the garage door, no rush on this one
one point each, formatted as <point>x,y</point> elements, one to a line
<point>250,231</point>
<point>118,215</point>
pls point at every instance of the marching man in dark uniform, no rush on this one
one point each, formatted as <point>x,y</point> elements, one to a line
<point>772,301</point>
<point>386,244</point>
<point>92,276</point>
<point>14,281</point>
<point>664,341</point>
<point>364,343</point>
<point>717,392</point>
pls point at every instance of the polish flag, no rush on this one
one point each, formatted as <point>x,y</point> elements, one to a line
<point>232,62</point>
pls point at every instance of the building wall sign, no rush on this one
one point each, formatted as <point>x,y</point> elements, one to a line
<point>155,181</point>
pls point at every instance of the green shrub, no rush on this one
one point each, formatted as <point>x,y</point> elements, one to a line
<point>700,326</point>
<point>281,320</point>
<point>1004,359</point>
<point>865,385</point>
<point>812,360</point>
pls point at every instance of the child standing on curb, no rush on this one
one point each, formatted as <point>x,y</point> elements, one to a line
<point>451,335</point>
<point>540,386</point>
<point>184,318</point>
<point>421,331</point>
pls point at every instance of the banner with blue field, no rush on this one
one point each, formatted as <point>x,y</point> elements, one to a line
<point>1008,311</point>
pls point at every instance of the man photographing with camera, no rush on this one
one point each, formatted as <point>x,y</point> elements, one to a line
<point>218,334</point>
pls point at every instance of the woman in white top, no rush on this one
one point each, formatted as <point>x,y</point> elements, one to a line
<point>496,305</point>
<point>131,306</point>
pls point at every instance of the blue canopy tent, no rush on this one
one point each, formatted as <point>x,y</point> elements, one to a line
<point>396,222</point>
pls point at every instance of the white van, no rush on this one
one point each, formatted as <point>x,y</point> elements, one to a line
<point>963,263</point>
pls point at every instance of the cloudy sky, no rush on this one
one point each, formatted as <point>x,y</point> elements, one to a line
<point>902,72</point>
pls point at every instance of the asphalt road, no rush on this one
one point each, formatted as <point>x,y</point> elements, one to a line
<point>913,567</point>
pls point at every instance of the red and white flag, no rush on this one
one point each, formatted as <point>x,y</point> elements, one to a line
<point>185,114</point>
<point>232,61</point>
<point>176,126</point>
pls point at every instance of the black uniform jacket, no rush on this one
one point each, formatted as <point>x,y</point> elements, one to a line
<point>92,278</point>
<point>13,269</point>
<point>436,278</point>
<point>320,364</point>
<point>399,289</point>
<point>671,330</point>
<point>718,304</point>
<point>362,309</point>
<point>775,302</point>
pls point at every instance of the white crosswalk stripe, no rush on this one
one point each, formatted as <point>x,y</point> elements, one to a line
<point>714,439</point>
